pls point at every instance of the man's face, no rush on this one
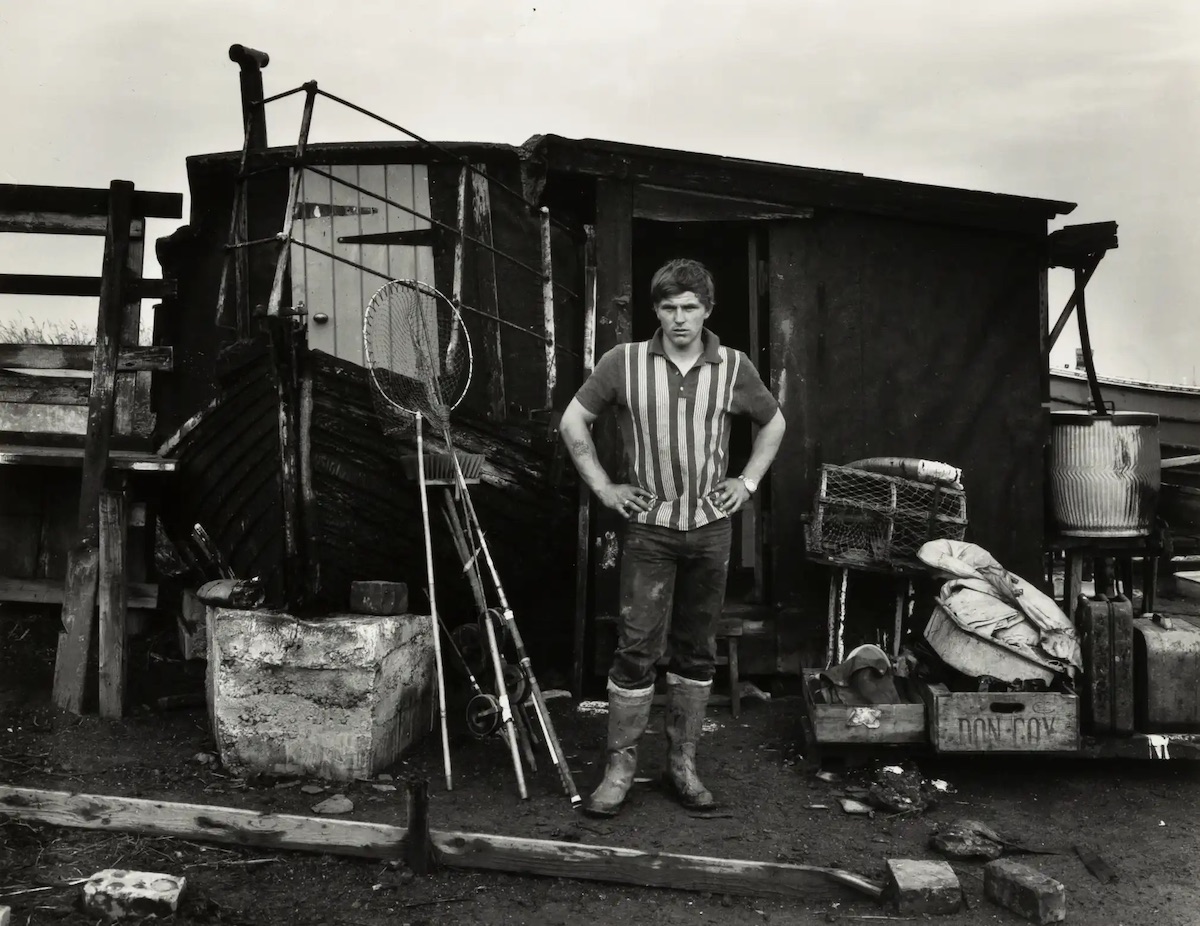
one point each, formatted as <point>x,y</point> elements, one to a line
<point>682,319</point>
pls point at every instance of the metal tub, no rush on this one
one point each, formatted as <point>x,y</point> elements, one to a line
<point>1105,473</point>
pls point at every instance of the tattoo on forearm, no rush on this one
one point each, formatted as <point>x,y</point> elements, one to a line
<point>582,450</point>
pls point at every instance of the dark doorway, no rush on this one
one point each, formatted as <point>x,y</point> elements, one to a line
<point>727,249</point>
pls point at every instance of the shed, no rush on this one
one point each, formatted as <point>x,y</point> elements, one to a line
<point>889,318</point>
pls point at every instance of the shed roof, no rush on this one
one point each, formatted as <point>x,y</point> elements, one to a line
<point>791,185</point>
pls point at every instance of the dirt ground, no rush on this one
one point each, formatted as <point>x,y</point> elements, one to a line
<point>1142,817</point>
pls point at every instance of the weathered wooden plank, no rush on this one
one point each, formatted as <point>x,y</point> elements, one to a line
<point>200,821</point>
<point>491,352</point>
<point>70,670</point>
<point>131,320</point>
<point>80,356</point>
<point>43,390</point>
<point>474,851</point>
<point>62,223</point>
<point>41,284</point>
<point>664,204</point>
<point>113,600</point>
<point>80,201</point>
<point>650,869</point>
<point>614,325</point>
<point>583,536</point>
<point>130,460</point>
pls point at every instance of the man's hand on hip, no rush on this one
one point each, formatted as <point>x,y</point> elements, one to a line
<point>626,500</point>
<point>730,496</point>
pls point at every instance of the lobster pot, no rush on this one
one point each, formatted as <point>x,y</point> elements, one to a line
<point>1105,473</point>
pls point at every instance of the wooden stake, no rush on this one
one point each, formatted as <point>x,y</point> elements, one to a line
<point>418,849</point>
<point>548,308</point>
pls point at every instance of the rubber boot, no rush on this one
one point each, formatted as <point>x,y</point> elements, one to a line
<point>686,703</point>
<point>628,714</point>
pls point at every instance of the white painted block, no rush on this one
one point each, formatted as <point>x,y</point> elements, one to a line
<point>115,894</point>
<point>340,697</point>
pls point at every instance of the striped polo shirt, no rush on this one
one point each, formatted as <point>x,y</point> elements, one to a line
<point>675,426</point>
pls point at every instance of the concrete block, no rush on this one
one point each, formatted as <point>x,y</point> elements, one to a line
<point>920,887</point>
<point>378,597</point>
<point>1025,891</point>
<point>340,697</point>
<point>115,894</point>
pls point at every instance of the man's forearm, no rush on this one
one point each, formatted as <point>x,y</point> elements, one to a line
<point>766,445</point>
<point>583,453</point>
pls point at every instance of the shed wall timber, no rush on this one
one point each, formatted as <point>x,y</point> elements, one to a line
<point>904,339</point>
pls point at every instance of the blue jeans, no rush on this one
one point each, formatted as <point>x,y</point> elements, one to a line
<point>672,592</point>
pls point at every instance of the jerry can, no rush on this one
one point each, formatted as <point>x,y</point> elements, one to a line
<point>1166,654</point>
<point>1105,627</point>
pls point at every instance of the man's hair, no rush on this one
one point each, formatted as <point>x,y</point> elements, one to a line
<point>682,275</point>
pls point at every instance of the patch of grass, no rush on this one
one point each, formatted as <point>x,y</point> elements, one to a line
<point>35,331</point>
<point>44,331</point>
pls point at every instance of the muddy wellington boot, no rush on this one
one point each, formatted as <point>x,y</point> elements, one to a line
<point>686,702</point>
<point>628,714</point>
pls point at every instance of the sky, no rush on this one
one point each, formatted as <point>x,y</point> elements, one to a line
<point>1095,102</point>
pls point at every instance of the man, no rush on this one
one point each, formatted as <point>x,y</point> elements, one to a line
<point>674,395</point>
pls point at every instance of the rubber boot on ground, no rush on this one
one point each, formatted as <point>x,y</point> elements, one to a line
<point>628,714</point>
<point>687,700</point>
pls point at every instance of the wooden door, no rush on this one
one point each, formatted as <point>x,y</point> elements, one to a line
<point>330,216</point>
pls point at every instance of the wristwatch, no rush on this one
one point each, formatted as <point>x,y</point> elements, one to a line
<point>750,484</point>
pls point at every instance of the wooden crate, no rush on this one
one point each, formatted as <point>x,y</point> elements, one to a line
<point>1001,721</point>
<point>842,724</point>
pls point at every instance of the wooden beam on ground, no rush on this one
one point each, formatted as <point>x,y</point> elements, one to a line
<point>202,821</point>
<point>473,851</point>
<point>34,455</point>
<point>648,869</point>
<point>83,559</point>
<point>80,356</point>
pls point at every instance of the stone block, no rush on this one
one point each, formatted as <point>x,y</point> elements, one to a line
<point>115,894</point>
<point>378,597</point>
<point>921,887</point>
<point>339,697</point>
<point>1025,891</point>
<point>5,916</point>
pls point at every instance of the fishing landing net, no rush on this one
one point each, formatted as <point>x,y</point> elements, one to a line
<point>419,356</point>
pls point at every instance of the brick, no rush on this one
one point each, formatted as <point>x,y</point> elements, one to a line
<point>5,916</point>
<point>115,894</point>
<point>379,598</point>
<point>1025,891</point>
<point>920,887</point>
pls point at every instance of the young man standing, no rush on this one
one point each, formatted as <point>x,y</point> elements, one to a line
<point>674,395</point>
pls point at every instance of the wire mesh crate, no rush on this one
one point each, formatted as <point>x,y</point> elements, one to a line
<point>876,519</point>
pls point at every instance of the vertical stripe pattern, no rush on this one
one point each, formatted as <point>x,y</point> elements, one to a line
<point>677,432</point>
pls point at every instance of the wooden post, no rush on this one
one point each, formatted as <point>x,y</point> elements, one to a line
<point>487,296</point>
<point>548,308</point>
<point>583,537</point>
<point>297,171</point>
<point>113,600</point>
<point>79,604</point>
<point>129,386</point>
<point>285,364</point>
